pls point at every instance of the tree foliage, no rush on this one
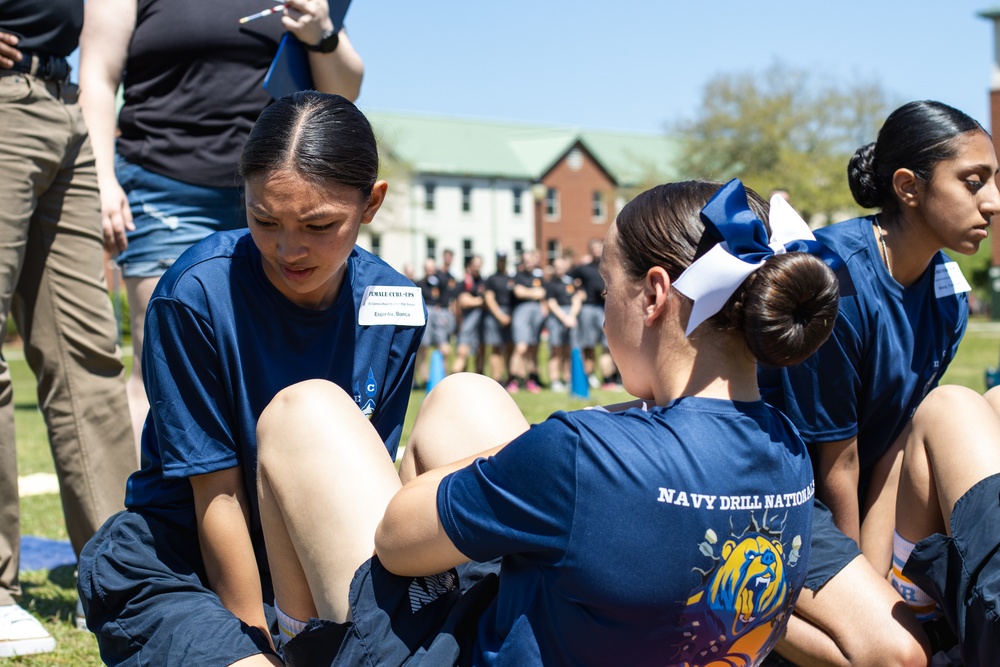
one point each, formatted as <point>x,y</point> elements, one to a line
<point>783,128</point>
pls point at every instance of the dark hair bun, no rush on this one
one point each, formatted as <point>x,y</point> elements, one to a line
<point>787,308</point>
<point>862,178</point>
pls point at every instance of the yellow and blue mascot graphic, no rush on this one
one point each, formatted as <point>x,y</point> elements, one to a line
<point>730,620</point>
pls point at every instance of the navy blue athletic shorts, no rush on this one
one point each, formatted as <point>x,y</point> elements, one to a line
<point>962,572</point>
<point>428,621</point>
<point>831,550</point>
<point>144,590</point>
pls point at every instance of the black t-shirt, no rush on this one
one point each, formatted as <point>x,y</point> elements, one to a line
<point>450,286</point>
<point>473,285</point>
<point>533,278</point>
<point>193,87</point>
<point>502,287</point>
<point>560,289</point>
<point>44,26</point>
<point>591,281</point>
<point>434,289</point>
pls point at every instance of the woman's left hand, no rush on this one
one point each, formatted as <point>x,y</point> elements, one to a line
<point>308,20</point>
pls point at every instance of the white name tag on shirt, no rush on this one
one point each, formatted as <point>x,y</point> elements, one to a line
<point>391,305</point>
<point>948,280</point>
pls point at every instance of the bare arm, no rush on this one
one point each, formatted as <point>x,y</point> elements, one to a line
<point>222,511</point>
<point>838,472</point>
<point>491,302</point>
<point>568,320</point>
<point>338,72</point>
<point>107,30</point>
<point>466,300</point>
<point>410,540</point>
<point>525,293</point>
<point>577,304</point>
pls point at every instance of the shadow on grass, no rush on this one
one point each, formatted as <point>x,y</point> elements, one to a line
<point>50,594</point>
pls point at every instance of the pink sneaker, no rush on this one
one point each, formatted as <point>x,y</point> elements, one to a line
<point>532,386</point>
<point>512,387</point>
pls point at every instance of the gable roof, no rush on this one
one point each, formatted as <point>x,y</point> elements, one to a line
<point>518,151</point>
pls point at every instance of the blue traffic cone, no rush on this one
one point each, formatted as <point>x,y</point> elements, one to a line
<point>578,385</point>
<point>436,371</point>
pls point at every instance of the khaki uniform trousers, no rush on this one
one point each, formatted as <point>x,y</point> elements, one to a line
<point>52,282</point>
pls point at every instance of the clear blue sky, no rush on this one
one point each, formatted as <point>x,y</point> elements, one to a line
<point>640,65</point>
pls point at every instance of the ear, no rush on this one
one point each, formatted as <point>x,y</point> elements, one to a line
<point>656,293</point>
<point>907,187</point>
<point>374,201</point>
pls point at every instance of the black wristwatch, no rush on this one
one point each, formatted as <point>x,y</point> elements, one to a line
<point>327,44</point>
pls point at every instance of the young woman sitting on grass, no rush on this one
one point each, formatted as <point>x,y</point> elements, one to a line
<point>673,531</point>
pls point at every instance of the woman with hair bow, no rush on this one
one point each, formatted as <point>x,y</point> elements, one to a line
<point>671,530</point>
<point>931,175</point>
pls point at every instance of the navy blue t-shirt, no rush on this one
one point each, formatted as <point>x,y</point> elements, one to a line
<point>221,341</point>
<point>889,347</point>
<point>652,537</point>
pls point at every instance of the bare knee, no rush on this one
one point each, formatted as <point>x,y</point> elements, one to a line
<point>993,398</point>
<point>948,401</point>
<point>306,406</point>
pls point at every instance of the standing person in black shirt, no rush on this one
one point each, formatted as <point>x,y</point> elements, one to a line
<point>440,320</point>
<point>470,303</point>
<point>526,325</point>
<point>564,303</point>
<point>498,301</point>
<point>193,78</point>
<point>591,327</point>
<point>52,283</point>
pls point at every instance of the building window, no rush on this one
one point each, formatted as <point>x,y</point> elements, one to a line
<point>516,192</point>
<point>466,251</point>
<point>599,207</point>
<point>551,203</point>
<point>429,196</point>
<point>376,245</point>
<point>432,248</point>
<point>575,159</point>
<point>466,198</point>
<point>518,250</point>
<point>551,250</point>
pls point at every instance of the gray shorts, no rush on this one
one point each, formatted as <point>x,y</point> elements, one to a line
<point>591,325</point>
<point>526,323</point>
<point>471,333</point>
<point>494,333</point>
<point>559,335</point>
<point>440,327</point>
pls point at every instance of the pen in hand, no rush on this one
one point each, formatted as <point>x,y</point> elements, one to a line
<point>266,12</point>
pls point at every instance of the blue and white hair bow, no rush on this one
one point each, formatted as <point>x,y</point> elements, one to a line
<point>742,249</point>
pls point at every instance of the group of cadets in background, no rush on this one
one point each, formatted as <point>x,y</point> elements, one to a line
<point>498,325</point>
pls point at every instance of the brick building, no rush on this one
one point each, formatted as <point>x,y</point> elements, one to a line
<point>476,186</point>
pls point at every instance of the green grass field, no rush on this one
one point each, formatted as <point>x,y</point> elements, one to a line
<point>51,594</point>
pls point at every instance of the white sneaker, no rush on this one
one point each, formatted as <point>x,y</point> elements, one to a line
<point>22,634</point>
<point>593,382</point>
<point>558,385</point>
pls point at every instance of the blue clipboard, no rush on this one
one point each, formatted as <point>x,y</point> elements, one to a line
<point>289,71</point>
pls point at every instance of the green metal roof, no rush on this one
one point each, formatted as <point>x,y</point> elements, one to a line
<point>495,149</point>
<point>989,13</point>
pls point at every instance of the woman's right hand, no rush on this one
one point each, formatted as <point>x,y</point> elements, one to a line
<point>116,216</point>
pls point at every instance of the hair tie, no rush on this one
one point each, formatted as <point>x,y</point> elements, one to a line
<point>743,248</point>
